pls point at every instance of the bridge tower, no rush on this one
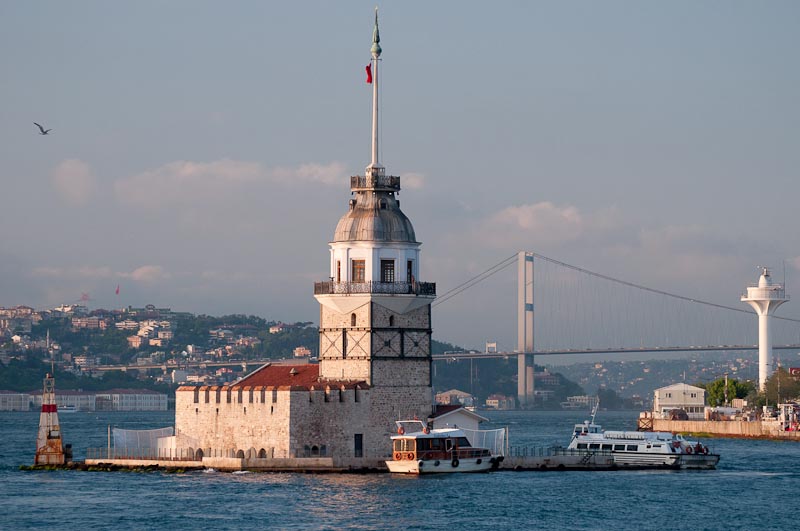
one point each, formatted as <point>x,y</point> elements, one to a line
<point>375,314</point>
<point>525,364</point>
<point>764,298</point>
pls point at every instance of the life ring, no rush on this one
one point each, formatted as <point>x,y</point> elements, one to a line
<point>454,462</point>
<point>398,456</point>
<point>689,449</point>
<point>705,450</point>
<point>401,430</point>
<point>410,456</point>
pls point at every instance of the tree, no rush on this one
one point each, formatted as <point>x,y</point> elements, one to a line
<point>780,387</point>
<point>715,391</point>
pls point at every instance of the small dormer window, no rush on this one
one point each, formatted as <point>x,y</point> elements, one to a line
<point>353,319</point>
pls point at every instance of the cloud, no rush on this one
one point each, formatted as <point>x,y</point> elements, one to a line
<point>187,182</point>
<point>330,174</point>
<point>412,181</point>
<point>74,182</point>
<point>532,225</point>
<point>147,274</point>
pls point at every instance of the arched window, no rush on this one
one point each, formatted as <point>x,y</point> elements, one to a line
<point>315,451</point>
<point>198,454</point>
<point>262,454</point>
<point>352,319</point>
<point>240,454</point>
<point>391,320</point>
<point>382,203</point>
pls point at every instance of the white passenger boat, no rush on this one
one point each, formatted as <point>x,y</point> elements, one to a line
<point>68,409</point>
<point>642,449</point>
<point>416,449</point>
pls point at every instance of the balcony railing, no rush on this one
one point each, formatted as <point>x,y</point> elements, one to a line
<point>772,292</point>
<point>388,288</point>
<point>375,182</point>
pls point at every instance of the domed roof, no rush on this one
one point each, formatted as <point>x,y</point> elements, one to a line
<point>374,218</point>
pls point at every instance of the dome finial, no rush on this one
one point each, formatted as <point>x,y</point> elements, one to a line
<point>376,37</point>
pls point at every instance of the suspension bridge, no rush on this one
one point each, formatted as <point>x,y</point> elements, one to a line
<point>578,311</point>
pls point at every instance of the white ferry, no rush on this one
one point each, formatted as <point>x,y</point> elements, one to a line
<point>638,449</point>
<point>416,449</point>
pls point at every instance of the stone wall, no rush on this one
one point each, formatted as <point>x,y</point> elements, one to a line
<point>730,428</point>
<point>299,423</point>
<point>223,421</point>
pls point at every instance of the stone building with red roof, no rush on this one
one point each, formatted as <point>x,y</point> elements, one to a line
<point>374,349</point>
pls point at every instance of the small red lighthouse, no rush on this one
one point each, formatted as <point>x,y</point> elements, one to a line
<point>49,445</point>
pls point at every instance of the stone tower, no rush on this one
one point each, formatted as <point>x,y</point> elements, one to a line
<point>375,314</point>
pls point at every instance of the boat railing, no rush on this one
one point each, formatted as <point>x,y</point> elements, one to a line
<point>493,440</point>
<point>550,451</point>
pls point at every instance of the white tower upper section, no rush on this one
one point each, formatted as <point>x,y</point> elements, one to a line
<point>764,298</point>
<point>374,248</point>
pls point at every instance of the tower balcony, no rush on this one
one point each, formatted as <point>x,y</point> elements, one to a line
<point>774,292</point>
<point>382,288</point>
<point>378,183</point>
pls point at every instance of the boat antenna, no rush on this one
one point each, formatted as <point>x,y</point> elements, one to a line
<point>594,409</point>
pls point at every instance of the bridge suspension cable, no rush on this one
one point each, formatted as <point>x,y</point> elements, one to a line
<point>653,290</point>
<point>477,279</point>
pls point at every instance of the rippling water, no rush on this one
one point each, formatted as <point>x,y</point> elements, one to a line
<point>755,487</point>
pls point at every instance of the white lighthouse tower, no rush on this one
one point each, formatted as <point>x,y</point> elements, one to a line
<point>375,313</point>
<point>764,298</point>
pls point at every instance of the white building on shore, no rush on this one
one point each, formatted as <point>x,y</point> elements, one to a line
<point>683,396</point>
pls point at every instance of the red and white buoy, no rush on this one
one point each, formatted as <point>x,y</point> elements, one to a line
<point>49,445</point>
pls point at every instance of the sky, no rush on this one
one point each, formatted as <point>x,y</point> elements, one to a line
<point>200,151</point>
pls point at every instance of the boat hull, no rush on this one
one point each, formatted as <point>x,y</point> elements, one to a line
<point>638,459</point>
<point>699,461</point>
<point>440,466</point>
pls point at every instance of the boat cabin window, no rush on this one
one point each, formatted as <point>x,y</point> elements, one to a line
<point>403,445</point>
<point>429,444</point>
<point>594,446</point>
<point>633,447</point>
<point>582,446</point>
<point>606,447</point>
<point>619,447</point>
<point>462,442</point>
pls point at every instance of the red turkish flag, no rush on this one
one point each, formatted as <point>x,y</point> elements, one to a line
<point>368,68</point>
<point>117,289</point>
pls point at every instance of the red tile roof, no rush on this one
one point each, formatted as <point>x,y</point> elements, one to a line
<point>305,376</point>
<point>280,375</point>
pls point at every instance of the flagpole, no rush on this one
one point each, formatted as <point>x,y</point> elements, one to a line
<point>375,167</point>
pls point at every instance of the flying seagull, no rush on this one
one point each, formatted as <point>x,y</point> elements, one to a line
<point>42,130</point>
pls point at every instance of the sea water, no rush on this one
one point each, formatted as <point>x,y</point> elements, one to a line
<point>755,486</point>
